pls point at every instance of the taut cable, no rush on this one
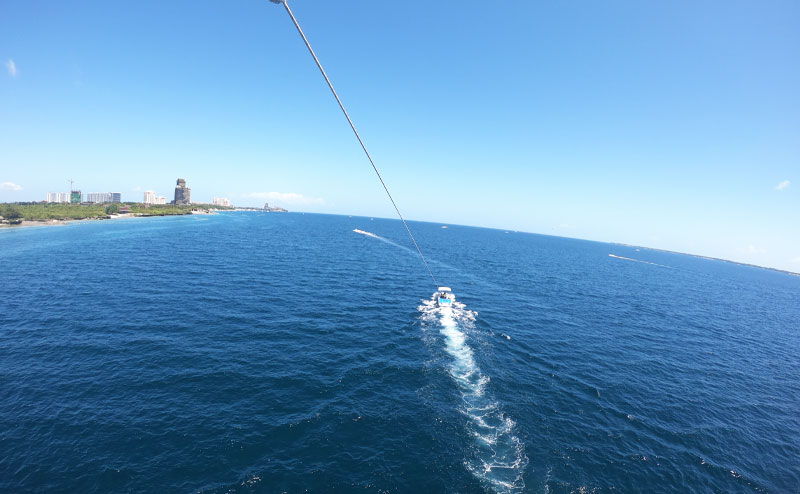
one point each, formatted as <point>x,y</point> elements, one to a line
<point>352,126</point>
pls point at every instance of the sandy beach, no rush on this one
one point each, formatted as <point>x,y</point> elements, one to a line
<point>35,223</point>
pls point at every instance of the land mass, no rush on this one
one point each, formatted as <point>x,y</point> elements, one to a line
<point>710,258</point>
<point>18,213</point>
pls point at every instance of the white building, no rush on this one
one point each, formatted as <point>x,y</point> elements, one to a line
<point>160,200</point>
<point>57,197</point>
<point>149,197</point>
<point>98,197</point>
<point>222,201</point>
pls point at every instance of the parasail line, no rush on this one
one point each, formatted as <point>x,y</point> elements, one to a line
<point>352,126</point>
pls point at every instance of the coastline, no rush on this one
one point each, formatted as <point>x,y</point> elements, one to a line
<point>709,258</point>
<point>41,223</point>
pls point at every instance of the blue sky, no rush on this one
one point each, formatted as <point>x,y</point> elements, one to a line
<point>672,125</point>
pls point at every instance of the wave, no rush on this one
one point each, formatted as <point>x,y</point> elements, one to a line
<point>496,455</point>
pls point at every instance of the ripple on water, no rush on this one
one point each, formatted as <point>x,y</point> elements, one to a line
<point>271,353</point>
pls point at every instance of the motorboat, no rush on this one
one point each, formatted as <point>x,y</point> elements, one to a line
<point>444,297</point>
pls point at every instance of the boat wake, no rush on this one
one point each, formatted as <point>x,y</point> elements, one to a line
<point>362,232</point>
<point>496,456</point>
<point>382,239</point>
<point>637,260</point>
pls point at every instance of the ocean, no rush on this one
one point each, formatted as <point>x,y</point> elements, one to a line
<point>250,352</point>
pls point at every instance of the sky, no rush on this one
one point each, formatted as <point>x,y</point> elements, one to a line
<point>673,125</point>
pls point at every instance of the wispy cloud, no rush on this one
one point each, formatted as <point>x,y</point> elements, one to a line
<point>12,68</point>
<point>286,198</point>
<point>10,186</point>
<point>783,185</point>
<point>796,260</point>
<point>751,249</point>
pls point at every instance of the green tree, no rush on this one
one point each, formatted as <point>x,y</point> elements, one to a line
<point>11,213</point>
<point>112,209</point>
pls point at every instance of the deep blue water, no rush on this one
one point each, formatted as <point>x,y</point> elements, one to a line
<point>249,352</point>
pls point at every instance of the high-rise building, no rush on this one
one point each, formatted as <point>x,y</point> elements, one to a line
<point>183,194</point>
<point>75,197</point>
<point>98,197</point>
<point>161,200</point>
<point>222,201</point>
<point>116,197</point>
<point>149,197</point>
<point>57,197</point>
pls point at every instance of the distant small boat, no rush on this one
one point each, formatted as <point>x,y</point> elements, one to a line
<point>445,297</point>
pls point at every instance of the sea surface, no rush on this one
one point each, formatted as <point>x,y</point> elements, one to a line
<point>251,352</point>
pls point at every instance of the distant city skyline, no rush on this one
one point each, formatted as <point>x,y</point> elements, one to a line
<point>182,195</point>
<point>51,195</point>
<point>669,125</point>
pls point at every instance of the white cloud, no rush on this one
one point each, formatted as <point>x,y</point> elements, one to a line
<point>10,186</point>
<point>751,249</point>
<point>12,68</point>
<point>783,185</point>
<point>796,260</point>
<point>285,198</point>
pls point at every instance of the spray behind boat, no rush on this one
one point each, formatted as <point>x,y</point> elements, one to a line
<point>444,295</point>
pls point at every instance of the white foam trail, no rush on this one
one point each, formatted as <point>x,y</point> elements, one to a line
<point>362,232</point>
<point>496,456</point>
<point>636,260</point>
<point>382,239</point>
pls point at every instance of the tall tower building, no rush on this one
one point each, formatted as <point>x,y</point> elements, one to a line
<point>183,194</point>
<point>149,197</point>
<point>98,197</point>
<point>57,197</point>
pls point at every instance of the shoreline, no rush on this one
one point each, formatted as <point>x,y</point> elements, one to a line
<point>709,258</point>
<point>123,216</point>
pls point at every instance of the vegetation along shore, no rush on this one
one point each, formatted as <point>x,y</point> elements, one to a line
<point>16,214</point>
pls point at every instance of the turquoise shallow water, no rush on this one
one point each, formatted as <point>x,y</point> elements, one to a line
<point>249,352</point>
